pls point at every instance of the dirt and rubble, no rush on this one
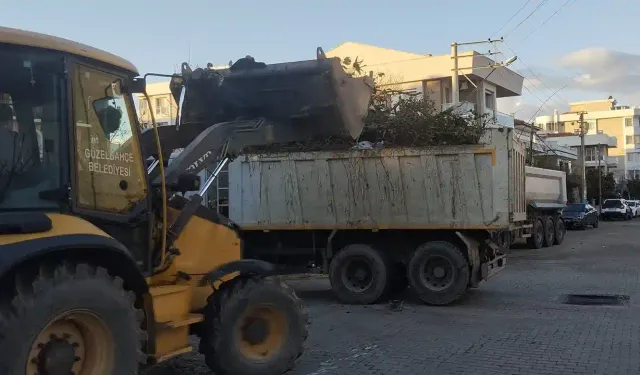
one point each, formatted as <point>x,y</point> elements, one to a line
<point>411,122</point>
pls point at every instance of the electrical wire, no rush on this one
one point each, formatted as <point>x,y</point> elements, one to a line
<point>547,20</point>
<point>512,17</point>
<point>527,17</point>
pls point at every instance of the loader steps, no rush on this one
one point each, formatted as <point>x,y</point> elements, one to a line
<point>190,319</point>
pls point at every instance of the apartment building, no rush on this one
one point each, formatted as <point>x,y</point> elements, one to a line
<point>607,118</point>
<point>481,80</point>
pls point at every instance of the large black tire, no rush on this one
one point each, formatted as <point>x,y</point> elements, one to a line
<point>549,232</point>
<point>360,274</point>
<point>439,272</point>
<point>536,240</point>
<point>231,346</point>
<point>561,231</point>
<point>70,311</point>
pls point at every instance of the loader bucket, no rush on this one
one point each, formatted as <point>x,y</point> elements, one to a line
<point>312,99</point>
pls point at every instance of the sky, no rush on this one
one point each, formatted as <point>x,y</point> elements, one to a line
<point>568,50</point>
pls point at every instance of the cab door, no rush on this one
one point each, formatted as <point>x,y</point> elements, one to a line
<point>110,185</point>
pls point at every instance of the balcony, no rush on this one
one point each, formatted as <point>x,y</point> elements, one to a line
<point>505,120</point>
<point>608,161</point>
<point>462,107</point>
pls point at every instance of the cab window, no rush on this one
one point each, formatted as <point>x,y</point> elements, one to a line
<point>30,130</point>
<point>110,174</point>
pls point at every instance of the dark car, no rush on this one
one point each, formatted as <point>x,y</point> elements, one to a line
<point>580,215</point>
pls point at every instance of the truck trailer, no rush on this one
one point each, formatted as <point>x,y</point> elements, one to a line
<point>545,193</point>
<point>377,220</point>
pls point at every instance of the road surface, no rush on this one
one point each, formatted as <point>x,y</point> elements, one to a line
<point>517,323</point>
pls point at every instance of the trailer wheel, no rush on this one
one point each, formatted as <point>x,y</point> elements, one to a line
<point>253,326</point>
<point>439,272</point>
<point>549,232</point>
<point>359,274</point>
<point>537,235</point>
<point>71,320</point>
<point>560,230</point>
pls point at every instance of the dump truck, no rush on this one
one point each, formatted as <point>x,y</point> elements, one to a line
<point>546,196</point>
<point>106,268</point>
<point>377,220</point>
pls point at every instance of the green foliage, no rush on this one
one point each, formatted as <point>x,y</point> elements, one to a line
<point>400,117</point>
<point>633,186</point>
<point>608,184</point>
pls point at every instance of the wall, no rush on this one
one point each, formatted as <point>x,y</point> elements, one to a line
<point>599,105</point>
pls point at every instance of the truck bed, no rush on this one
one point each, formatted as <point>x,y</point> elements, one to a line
<point>444,187</point>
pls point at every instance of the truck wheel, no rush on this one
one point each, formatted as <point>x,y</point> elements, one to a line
<point>537,235</point>
<point>549,232</point>
<point>439,272</point>
<point>71,320</point>
<point>561,230</point>
<point>359,274</point>
<point>253,326</point>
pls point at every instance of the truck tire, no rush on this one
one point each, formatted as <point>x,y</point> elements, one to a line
<point>360,274</point>
<point>72,320</point>
<point>549,232</point>
<point>561,231</point>
<point>253,326</point>
<point>439,272</point>
<point>537,235</point>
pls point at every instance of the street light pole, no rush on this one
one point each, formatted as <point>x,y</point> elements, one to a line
<point>455,96</point>
<point>599,182</point>
<point>582,158</point>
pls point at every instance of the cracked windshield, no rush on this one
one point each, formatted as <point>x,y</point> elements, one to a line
<point>323,188</point>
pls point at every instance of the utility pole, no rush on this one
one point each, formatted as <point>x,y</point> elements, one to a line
<point>599,183</point>
<point>533,131</point>
<point>582,156</point>
<point>455,95</point>
<point>455,89</point>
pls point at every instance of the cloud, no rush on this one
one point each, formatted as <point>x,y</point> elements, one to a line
<point>598,70</point>
<point>519,107</point>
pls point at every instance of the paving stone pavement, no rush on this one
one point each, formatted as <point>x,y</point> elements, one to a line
<point>515,323</point>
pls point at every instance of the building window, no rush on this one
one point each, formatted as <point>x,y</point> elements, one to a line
<point>632,139</point>
<point>590,154</point>
<point>633,157</point>
<point>144,106</point>
<point>489,99</point>
<point>628,122</point>
<point>162,106</point>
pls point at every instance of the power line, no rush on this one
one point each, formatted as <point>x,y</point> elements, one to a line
<point>533,73</point>
<point>547,20</point>
<point>527,17</point>
<point>526,80</point>
<point>512,17</point>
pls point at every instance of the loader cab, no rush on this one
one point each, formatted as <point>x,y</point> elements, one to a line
<point>69,137</point>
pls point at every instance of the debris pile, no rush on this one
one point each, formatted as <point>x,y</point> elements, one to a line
<point>406,121</point>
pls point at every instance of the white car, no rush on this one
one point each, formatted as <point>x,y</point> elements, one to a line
<point>616,209</point>
<point>635,207</point>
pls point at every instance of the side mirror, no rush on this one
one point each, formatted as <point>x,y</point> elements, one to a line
<point>186,182</point>
<point>137,85</point>
<point>109,114</point>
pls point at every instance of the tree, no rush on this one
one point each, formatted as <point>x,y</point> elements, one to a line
<point>405,118</point>
<point>608,184</point>
<point>633,186</point>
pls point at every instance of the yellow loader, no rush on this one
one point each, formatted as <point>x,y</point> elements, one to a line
<point>105,266</point>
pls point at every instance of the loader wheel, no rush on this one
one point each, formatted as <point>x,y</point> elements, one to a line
<point>253,326</point>
<point>360,274</point>
<point>536,240</point>
<point>71,320</point>
<point>439,273</point>
<point>561,230</point>
<point>549,232</point>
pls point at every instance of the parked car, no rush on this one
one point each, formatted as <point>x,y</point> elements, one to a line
<point>580,215</point>
<point>635,207</point>
<point>616,209</point>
